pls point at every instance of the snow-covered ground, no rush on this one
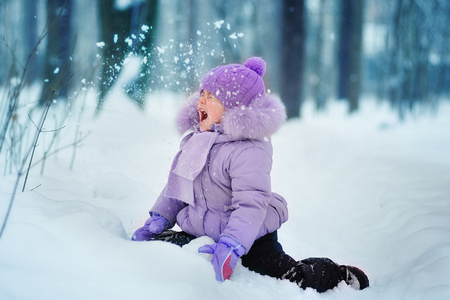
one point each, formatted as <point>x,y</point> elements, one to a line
<point>366,190</point>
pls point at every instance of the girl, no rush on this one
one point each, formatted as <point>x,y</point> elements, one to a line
<point>219,184</point>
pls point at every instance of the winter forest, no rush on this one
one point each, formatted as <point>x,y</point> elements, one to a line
<point>88,96</point>
<point>322,50</point>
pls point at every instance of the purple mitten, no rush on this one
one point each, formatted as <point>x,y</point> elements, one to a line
<point>153,226</point>
<point>225,256</point>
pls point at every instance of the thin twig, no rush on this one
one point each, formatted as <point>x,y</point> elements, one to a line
<point>16,185</point>
<point>33,148</point>
<point>20,171</point>
<point>75,143</point>
<point>56,133</point>
<point>45,131</point>
<point>35,187</point>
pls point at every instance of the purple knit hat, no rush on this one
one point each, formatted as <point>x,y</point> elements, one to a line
<point>236,85</point>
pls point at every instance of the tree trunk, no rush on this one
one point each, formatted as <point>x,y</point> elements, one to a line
<point>115,27</point>
<point>319,81</point>
<point>143,13</point>
<point>57,63</point>
<point>443,68</point>
<point>350,52</point>
<point>409,66</point>
<point>31,38</point>
<point>191,76</point>
<point>415,84</point>
<point>292,55</point>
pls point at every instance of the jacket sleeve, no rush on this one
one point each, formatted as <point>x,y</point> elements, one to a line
<point>249,171</point>
<point>168,207</point>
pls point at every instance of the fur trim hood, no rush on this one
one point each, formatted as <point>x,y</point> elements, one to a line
<point>261,119</point>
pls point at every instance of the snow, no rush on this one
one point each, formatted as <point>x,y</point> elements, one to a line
<point>100,44</point>
<point>218,24</point>
<point>366,190</point>
<point>235,35</point>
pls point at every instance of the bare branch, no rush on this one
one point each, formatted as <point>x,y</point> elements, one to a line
<point>75,143</point>
<point>33,147</point>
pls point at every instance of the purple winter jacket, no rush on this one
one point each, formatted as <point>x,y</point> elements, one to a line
<point>232,193</point>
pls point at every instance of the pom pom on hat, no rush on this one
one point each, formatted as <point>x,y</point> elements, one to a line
<point>256,64</point>
<point>236,85</point>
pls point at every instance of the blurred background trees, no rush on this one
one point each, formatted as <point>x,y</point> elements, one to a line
<point>394,50</point>
<point>116,24</point>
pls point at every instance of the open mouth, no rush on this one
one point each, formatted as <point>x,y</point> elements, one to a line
<point>203,115</point>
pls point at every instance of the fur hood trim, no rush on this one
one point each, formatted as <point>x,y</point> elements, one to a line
<point>261,119</point>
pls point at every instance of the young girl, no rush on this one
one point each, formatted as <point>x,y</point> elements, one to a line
<point>219,183</point>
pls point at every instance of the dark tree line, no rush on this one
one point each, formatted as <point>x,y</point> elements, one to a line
<point>314,49</point>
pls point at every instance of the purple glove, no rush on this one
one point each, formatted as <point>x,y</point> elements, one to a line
<point>154,225</point>
<point>225,256</point>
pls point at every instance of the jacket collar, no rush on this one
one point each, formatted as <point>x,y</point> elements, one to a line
<point>261,119</point>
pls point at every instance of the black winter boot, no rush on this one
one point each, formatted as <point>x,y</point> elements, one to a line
<point>354,277</point>
<point>322,274</point>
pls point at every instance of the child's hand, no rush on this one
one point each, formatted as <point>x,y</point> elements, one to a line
<point>225,256</point>
<point>155,225</point>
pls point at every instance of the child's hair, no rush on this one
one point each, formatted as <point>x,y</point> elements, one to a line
<point>236,85</point>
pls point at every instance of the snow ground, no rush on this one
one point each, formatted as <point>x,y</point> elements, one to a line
<point>366,190</point>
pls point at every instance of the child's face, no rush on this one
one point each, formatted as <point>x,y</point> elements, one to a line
<point>210,110</point>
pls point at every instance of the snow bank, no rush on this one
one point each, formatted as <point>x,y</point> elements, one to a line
<point>364,190</point>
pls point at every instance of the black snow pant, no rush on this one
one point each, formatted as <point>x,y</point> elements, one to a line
<point>266,257</point>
